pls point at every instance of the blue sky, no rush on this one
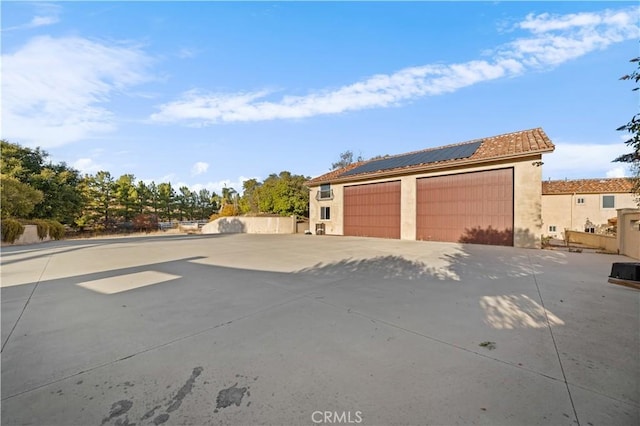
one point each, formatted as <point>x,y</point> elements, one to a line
<point>207,94</point>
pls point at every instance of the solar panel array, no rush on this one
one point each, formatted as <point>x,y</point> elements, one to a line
<point>424,157</point>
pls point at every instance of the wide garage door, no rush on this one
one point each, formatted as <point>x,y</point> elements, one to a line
<point>372,210</point>
<point>469,208</point>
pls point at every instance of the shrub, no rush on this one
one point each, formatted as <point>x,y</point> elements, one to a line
<point>11,230</point>
<point>145,222</point>
<point>213,217</point>
<point>42,227</point>
<point>228,210</point>
<point>56,230</point>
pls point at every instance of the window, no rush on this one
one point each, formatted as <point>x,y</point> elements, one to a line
<point>325,192</point>
<point>608,201</point>
<point>552,228</point>
<point>580,200</point>
<point>325,213</point>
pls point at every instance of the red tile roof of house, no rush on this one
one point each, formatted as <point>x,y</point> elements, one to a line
<point>510,145</point>
<point>587,186</point>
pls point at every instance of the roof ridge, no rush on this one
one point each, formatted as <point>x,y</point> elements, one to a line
<point>454,144</point>
<point>586,179</point>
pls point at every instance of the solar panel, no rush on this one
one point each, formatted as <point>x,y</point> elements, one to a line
<point>424,157</point>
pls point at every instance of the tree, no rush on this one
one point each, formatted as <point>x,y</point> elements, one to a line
<point>16,198</point>
<point>205,204</point>
<point>633,127</point>
<point>346,158</point>
<point>166,198</point>
<point>187,202</point>
<point>229,196</point>
<point>284,194</point>
<point>216,201</point>
<point>62,198</point>
<point>101,199</point>
<point>154,197</point>
<point>19,162</point>
<point>59,184</point>
<point>143,201</point>
<point>126,197</point>
<point>250,200</point>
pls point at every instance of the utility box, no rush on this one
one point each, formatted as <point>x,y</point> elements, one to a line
<point>626,271</point>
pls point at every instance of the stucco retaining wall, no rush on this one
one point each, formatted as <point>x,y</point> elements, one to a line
<point>251,225</point>
<point>30,236</point>
<point>604,242</point>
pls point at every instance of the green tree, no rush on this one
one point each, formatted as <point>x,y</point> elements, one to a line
<point>216,202</point>
<point>633,128</point>
<point>16,198</point>
<point>62,198</point>
<point>58,183</point>
<point>126,197</point>
<point>154,197</point>
<point>143,200</point>
<point>284,194</point>
<point>205,204</point>
<point>187,202</point>
<point>100,193</point>
<point>250,200</point>
<point>229,196</point>
<point>19,162</point>
<point>346,158</point>
<point>166,199</point>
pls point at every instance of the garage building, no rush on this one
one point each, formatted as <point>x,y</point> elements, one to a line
<point>485,191</point>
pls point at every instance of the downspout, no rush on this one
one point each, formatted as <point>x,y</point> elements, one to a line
<point>571,220</point>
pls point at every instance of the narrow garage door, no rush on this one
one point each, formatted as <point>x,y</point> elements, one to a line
<point>469,208</point>
<point>372,210</point>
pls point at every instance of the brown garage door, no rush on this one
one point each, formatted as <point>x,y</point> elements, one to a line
<point>372,210</point>
<point>470,208</point>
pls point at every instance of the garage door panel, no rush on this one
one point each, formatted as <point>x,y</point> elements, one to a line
<point>472,207</point>
<point>372,210</point>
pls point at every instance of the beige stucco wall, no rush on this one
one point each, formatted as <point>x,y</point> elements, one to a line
<point>629,232</point>
<point>605,242</point>
<point>30,236</point>
<point>527,200</point>
<point>251,225</point>
<point>563,212</point>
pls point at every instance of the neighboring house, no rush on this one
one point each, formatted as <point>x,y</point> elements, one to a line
<point>482,191</point>
<point>587,205</point>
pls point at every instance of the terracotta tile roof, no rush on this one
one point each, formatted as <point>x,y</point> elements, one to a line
<point>587,186</point>
<point>509,145</point>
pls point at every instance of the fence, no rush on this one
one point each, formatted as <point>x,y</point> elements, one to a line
<point>163,226</point>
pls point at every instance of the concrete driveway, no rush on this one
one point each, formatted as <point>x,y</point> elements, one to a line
<point>294,330</point>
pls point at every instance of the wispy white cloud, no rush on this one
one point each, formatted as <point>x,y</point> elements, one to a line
<point>47,14</point>
<point>87,166</point>
<point>49,103</point>
<point>199,168</point>
<point>187,53</point>
<point>217,186</point>
<point>552,40</point>
<point>579,160</point>
<point>546,22</point>
<point>618,172</point>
